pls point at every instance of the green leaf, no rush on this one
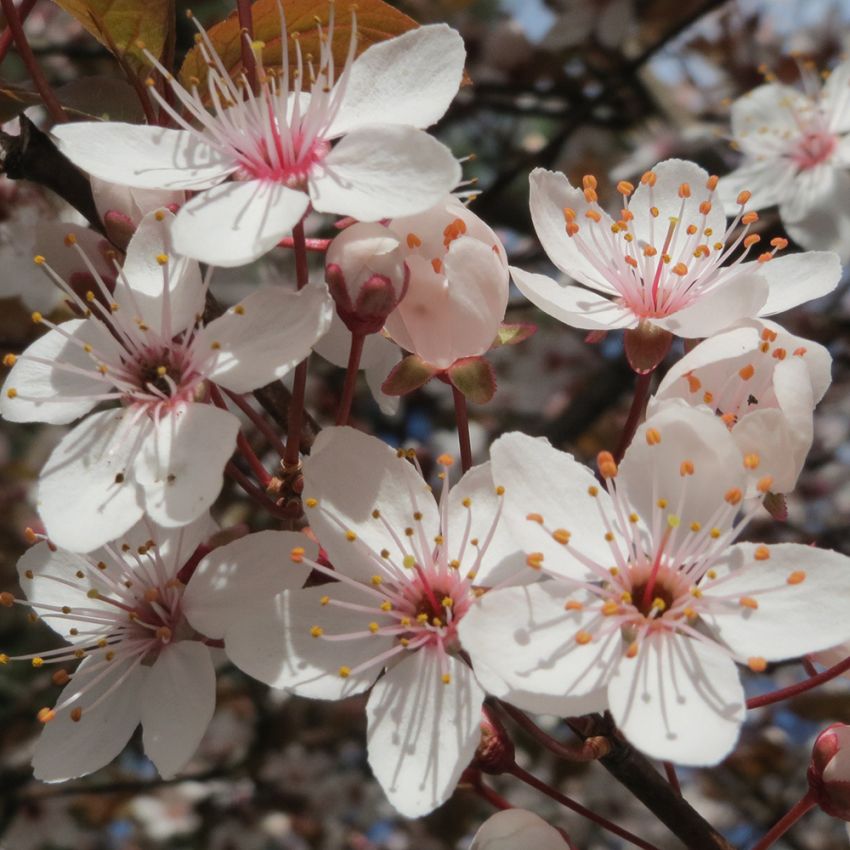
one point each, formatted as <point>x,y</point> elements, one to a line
<point>474,377</point>
<point>408,376</point>
<point>513,334</point>
<point>376,21</point>
<point>119,25</point>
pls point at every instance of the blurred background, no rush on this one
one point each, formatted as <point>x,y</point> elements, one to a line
<point>607,87</point>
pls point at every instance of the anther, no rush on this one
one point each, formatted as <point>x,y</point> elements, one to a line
<point>686,467</point>
<point>762,553</point>
<point>743,197</point>
<point>606,464</point>
<point>752,460</point>
<point>653,437</point>
<point>733,496</point>
<point>534,560</point>
<point>797,577</point>
<point>757,664</point>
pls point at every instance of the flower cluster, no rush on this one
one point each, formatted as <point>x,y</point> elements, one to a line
<point>528,580</point>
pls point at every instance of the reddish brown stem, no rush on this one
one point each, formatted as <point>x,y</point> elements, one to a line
<point>309,244</point>
<point>589,750</point>
<point>6,38</point>
<point>257,418</point>
<point>672,777</point>
<point>534,782</point>
<point>13,22</point>
<point>253,461</point>
<point>246,25</point>
<point>292,455</point>
<point>800,687</point>
<point>788,820</point>
<point>351,371</point>
<point>234,472</point>
<point>462,419</point>
<point>642,385</point>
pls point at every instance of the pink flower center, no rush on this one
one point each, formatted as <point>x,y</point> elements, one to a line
<point>813,148</point>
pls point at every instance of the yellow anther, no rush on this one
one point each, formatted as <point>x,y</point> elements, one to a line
<point>562,536</point>
<point>159,215</point>
<point>11,393</point>
<point>714,533</point>
<point>37,317</point>
<point>534,560</point>
<point>296,554</point>
<point>500,491</point>
<point>376,580</point>
<point>350,536</point>
<point>673,521</point>
<point>38,260</point>
<point>467,502</point>
<point>662,503</point>
<point>409,561</point>
<point>686,467</point>
<point>311,502</point>
<point>535,518</point>
<point>633,518</point>
<point>413,241</point>
<point>344,672</point>
<point>762,553</point>
<point>593,491</point>
<point>162,259</point>
<point>659,604</point>
<point>454,564</point>
<point>696,593</point>
<point>583,637</point>
<point>445,460</point>
<point>695,526</point>
<point>648,178</point>
<point>386,605</point>
<point>626,597</point>
<point>607,465</point>
<point>680,269</point>
<point>45,715</point>
<point>764,484</point>
<point>625,188</point>
<point>610,608</point>
<point>609,536</point>
<point>653,437</point>
<point>10,360</point>
<point>757,664</point>
<point>733,496</point>
<point>374,628</point>
<point>239,310</point>
<point>752,460</point>
<point>446,679</point>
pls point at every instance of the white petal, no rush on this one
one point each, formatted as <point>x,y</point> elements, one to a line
<point>770,110</point>
<point>67,749</point>
<point>237,222</point>
<point>817,216</point>
<point>144,296</point>
<point>502,558</point>
<point>142,156</point>
<point>177,705</point>
<point>275,644</point>
<point>769,181</point>
<point>740,297</point>
<point>45,392</point>
<point>265,336</point>
<point>410,79</point>
<point>181,464</point>
<point>133,203</point>
<point>514,828</point>
<point>384,171</point>
<point>573,305</point>
<point>232,577</point>
<point>352,474</point>
<point>86,493</point>
<point>781,451</point>
<point>649,472</point>
<point>523,647</point>
<point>835,100</point>
<point>379,371</point>
<point>550,194</point>
<point>791,619</point>
<point>798,278</point>
<point>678,700</point>
<point>539,479</point>
<point>422,733</point>
<point>37,569</point>
<point>664,197</point>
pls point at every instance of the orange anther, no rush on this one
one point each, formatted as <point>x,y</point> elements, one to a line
<point>686,467</point>
<point>593,215</point>
<point>757,664</point>
<point>733,496</point>
<point>711,183</point>
<point>583,637</point>
<point>694,382</point>
<point>797,577</point>
<point>746,372</point>
<point>762,553</point>
<point>744,196</point>
<point>752,239</point>
<point>748,602</point>
<point>752,460</point>
<point>572,229</point>
<point>573,605</point>
<point>535,518</point>
<point>562,536</point>
<point>684,190</point>
<point>625,188</point>
<point>630,260</point>
<point>437,265</point>
<point>607,465</point>
<point>680,269</point>
<point>653,437</point>
<point>648,178</point>
<point>779,353</point>
<point>799,352</point>
<point>589,181</point>
<point>569,214</point>
<point>764,484</point>
<point>590,196</point>
<point>534,560</point>
<point>705,207</point>
<point>779,243</point>
<point>45,715</point>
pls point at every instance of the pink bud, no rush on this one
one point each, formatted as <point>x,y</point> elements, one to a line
<point>495,753</point>
<point>829,770</point>
<point>458,289</point>
<point>367,276</point>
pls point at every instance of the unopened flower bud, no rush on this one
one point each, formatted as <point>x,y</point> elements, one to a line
<point>367,276</point>
<point>646,346</point>
<point>829,771</point>
<point>515,828</point>
<point>495,753</point>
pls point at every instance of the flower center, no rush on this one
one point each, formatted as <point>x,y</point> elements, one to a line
<point>813,148</point>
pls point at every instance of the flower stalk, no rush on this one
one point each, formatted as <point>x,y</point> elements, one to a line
<point>800,808</point>
<point>357,340</point>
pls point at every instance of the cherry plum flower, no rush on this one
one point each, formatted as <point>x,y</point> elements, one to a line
<point>140,614</point>
<point>829,771</point>
<point>665,260</point>
<point>764,382</point>
<point>797,156</point>
<point>145,346</point>
<point>258,160</point>
<point>406,570</point>
<point>650,603</point>
<point>458,289</point>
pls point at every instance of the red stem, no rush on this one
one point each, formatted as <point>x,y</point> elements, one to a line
<point>581,752</point>
<point>292,454</point>
<point>672,777</point>
<point>309,244</point>
<point>6,38</point>
<point>13,22</point>
<point>462,419</point>
<point>806,802</point>
<point>253,491</point>
<point>800,687</point>
<point>354,355</point>
<point>253,461</point>
<point>534,782</point>
<point>262,425</point>
<point>642,385</point>
<point>246,25</point>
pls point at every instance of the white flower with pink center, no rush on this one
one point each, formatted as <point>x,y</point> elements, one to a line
<point>666,259</point>
<point>350,145</point>
<point>764,383</point>
<point>141,615</point>
<point>143,344</point>
<point>405,571</point>
<point>651,603</point>
<point>797,157</point>
<point>513,828</point>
